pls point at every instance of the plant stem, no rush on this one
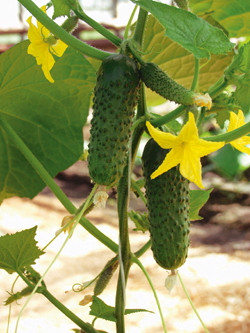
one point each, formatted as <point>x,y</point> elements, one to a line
<point>60,33</point>
<point>168,117</point>
<point>218,87</point>
<point>83,325</point>
<point>141,112</point>
<point>123,190</point>
<point>137,261</point>
<point>58,304</point>
<point>232,135</point>
<point>49,181</point>
<point>126,32</point>
<point>191,303</point>
<point>88,328</point>
<point>196,74</point>
<point>140,25</point>
<point>98,27</point>
<point>142,250</point>
<point>138,190</point>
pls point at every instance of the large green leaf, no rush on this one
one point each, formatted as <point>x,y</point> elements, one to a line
<point>178,62</point>
<point>233,15</point>
<point>48,117</point>
<point>192,32</point>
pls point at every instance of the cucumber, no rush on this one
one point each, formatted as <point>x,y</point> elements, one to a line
<point>105,275</point>
<point>158,81</point>
<point>115,98</point>
<point>168,206</point>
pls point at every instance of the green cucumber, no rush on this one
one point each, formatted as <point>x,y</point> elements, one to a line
<point>115,98</point>
<point>168,206</point>
<point>105,276</point>
<point>158,81</point>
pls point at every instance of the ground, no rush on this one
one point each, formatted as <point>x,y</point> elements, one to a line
<point>216,273</point>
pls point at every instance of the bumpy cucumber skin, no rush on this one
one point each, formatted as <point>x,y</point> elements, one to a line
<point>168,206</point>
<point>105,276</point>
<point>158,81</point>
<point>115,98</point>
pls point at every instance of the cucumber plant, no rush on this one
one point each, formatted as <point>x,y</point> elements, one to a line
<point>42,117</point>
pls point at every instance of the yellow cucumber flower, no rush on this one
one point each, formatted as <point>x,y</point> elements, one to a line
<point>237,121</point>
<point>43,45</point>
<point>186,150</point>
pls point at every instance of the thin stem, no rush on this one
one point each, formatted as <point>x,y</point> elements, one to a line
<point>140,25</point>
<point>143,249</point>
<point>123,190</point>
<point>232,135</point>
<point>43,290</point>
<point>138,190</point>
<point>88,328</point>
<point>85,326</point>
<point>196,74</point>
<point>168,117</point>
<point>10,305</point>
<point>191,303</point>
<point>137,261</point>
<point>139,129</point>
<point>126,32</point>
<point>60,33</point>
<point>49,181</point>
<point>98,27</point>
<point>218,87</point>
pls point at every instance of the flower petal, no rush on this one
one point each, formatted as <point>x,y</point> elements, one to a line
<point>59,48</point>
<point>189,131</point>
<point>236,120</point>
<point>190,168</point>
<point>172,159</point>
<point>240,147</point>
<point>33,32</point>
<point>164,140</point>
<point>202,147</point>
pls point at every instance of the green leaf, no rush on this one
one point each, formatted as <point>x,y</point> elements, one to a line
<point>102,310</point>
<point>18,250</point>
<point>238,73</point>
<point>48,117</point>
<point>178,62</point>
<point>233,15</point>
<point>61,8</point>
<point>198,198</point>
<point>192,32</point>
<point>140,220</point>
<point>241,62</point>
<point>227,162</point>
<point>242,92</point>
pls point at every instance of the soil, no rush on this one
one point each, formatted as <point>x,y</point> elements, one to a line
<point>216,273</point>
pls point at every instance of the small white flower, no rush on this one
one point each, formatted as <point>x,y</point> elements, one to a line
<point>203,100</point>
<point>100,199</point>
<point>171,280</point>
